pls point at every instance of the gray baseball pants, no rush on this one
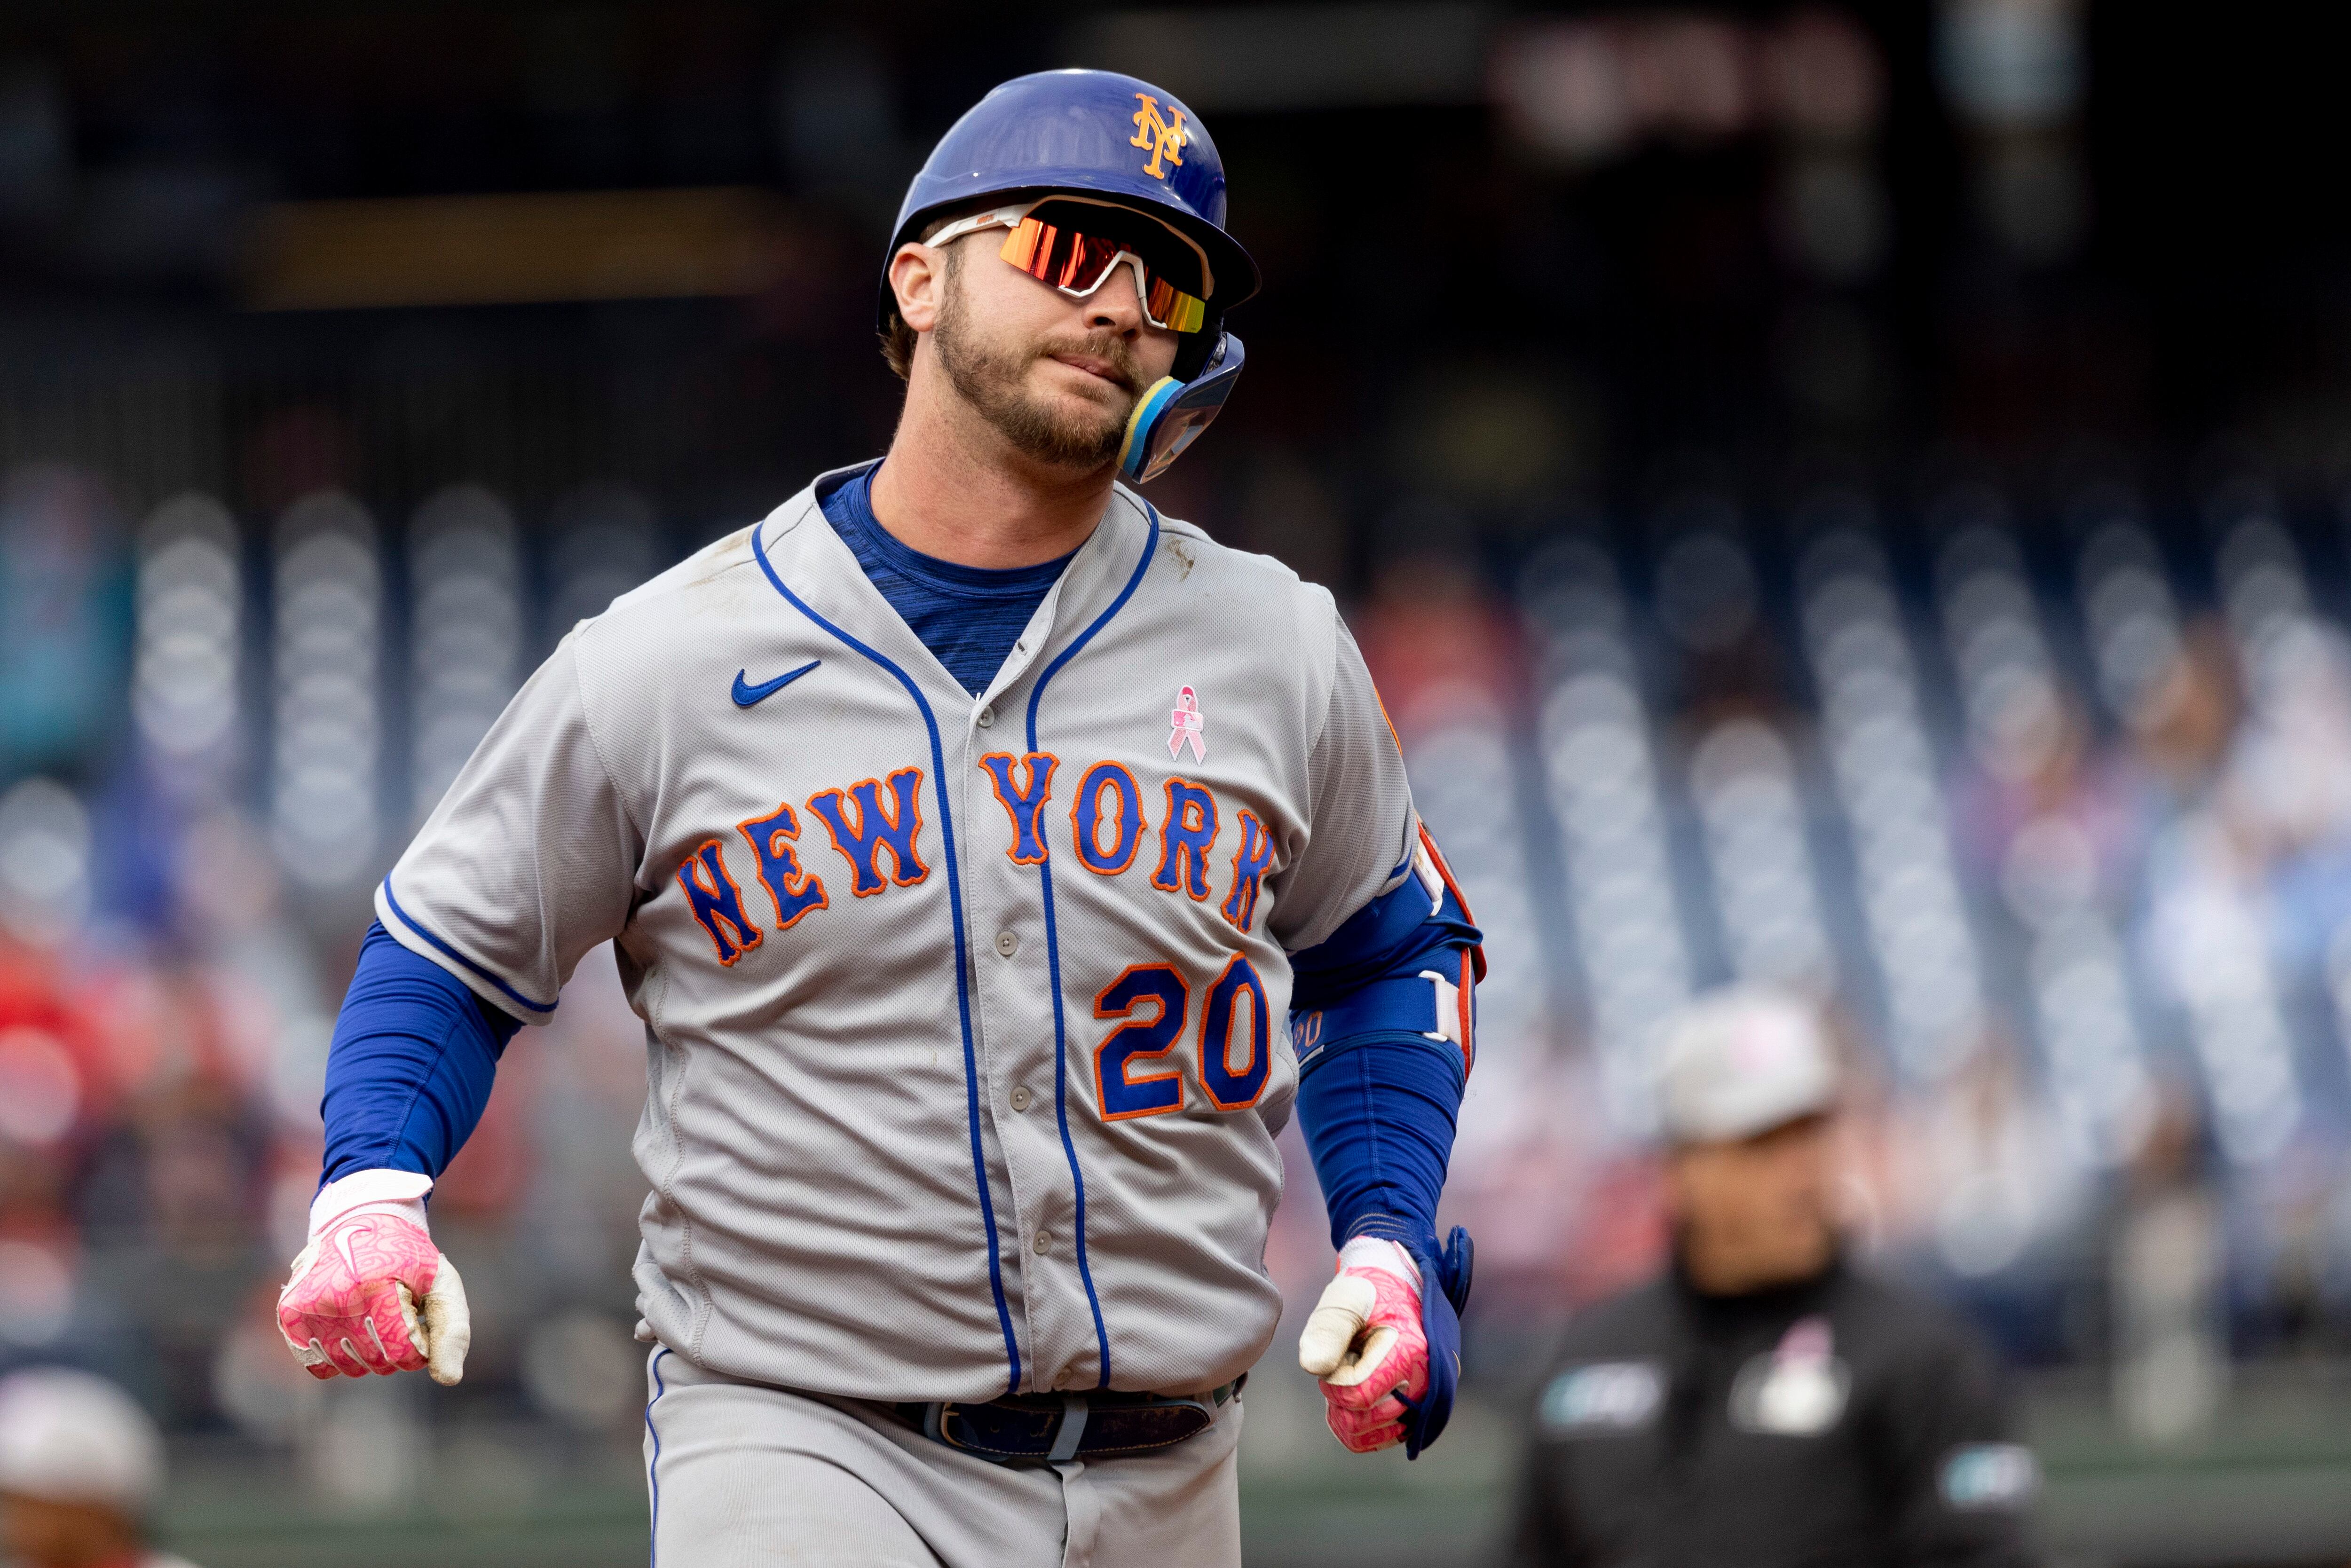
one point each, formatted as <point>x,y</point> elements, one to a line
<point>746,1476</point>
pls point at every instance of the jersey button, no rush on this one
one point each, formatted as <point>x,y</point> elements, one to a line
<point>1044,1241</point>
<point>1007,942</point>
<point>1021,1098</point>
<point>986,719</point>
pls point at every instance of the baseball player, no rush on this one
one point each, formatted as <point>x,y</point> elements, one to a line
<point>967,831</point>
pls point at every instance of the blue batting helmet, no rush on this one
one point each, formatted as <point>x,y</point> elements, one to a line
<point>1093,131</point>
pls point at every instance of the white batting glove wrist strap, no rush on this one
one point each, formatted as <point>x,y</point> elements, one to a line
<point>1379,1252</point>
<point>397,1193</point>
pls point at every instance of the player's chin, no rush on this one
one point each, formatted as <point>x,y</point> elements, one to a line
<point>1080,432</point>
<point>1082,400</point>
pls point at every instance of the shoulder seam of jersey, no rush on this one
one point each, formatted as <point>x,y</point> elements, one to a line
<point>1246,558</point>
<point>1323,598</point>
<point>749,533</point>
<point>664,597</point>
<point>595,745</point>
<point>1192,530</point>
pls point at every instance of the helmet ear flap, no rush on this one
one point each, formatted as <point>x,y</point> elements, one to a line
<point>1195,349</point>
<point>1172,413</point>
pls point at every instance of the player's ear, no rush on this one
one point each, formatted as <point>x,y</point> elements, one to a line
<point>918,278</point>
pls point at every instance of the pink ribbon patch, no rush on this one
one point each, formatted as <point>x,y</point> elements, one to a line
<point>1190,728</point>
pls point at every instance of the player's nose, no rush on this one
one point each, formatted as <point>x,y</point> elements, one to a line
<point>1114,307</point>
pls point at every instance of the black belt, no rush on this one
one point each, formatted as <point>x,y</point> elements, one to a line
<point>1051,1427</point>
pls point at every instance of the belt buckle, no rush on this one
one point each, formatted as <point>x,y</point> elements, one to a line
<point>1068,1430</point>
<point>1076,1409</point>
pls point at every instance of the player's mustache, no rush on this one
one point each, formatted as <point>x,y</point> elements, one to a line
<point>1108,347</point>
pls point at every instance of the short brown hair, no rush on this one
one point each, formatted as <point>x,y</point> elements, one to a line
<point>898,346</point>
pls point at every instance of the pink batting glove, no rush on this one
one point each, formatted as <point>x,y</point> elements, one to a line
<point>1365,1343</point>
<point>372,1294</point>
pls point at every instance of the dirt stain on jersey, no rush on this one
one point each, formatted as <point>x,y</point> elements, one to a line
<point>730,580</point>
<point>724,556</point>
<point>1181,551</point>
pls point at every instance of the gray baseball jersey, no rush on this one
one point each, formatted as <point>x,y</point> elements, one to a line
<point>965,1014</point>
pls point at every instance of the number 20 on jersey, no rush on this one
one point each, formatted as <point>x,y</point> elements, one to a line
<point>1135,1073</point>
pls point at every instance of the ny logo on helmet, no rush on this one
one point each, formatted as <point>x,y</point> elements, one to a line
<point>1165,138</point>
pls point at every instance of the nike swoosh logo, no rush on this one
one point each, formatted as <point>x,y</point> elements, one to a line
<point>749,695</point>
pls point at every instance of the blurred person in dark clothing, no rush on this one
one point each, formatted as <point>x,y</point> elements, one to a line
<point>2183,720</point>
<point>1766,1400</point>
<point>81,1468</point>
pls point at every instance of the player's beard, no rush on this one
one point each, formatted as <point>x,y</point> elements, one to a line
<point>993,378</point>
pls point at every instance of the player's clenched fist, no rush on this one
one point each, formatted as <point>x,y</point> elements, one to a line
<point>1365,1341</point>
<point>372,1294</point>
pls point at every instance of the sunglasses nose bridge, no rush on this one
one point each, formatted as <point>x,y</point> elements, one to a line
<point>1141,277</point>
<point>1136,270</point>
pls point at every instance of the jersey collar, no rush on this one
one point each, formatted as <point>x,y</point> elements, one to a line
<point>803,549</point>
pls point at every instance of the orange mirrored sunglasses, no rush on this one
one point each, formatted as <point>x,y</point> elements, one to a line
<point>1077,263</point>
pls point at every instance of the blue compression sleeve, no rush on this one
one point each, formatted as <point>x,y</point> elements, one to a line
<point>1382,1013</point>
<point>410,1067</point>
<point>1378,1120</point>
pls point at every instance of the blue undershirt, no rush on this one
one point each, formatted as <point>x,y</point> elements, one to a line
<point>967,616</point>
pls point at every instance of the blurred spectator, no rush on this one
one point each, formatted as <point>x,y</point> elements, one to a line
<point>1766,1402</point>
<point>2172,1360</point>
<point>2243,890</point>
<point>1984,1181</point>
<point>2039,801</point>
<point>63,598</point>
<point>81,1469</point>
<point>2183,719</point>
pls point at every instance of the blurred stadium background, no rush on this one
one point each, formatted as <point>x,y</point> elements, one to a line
<point>1857,496</point>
